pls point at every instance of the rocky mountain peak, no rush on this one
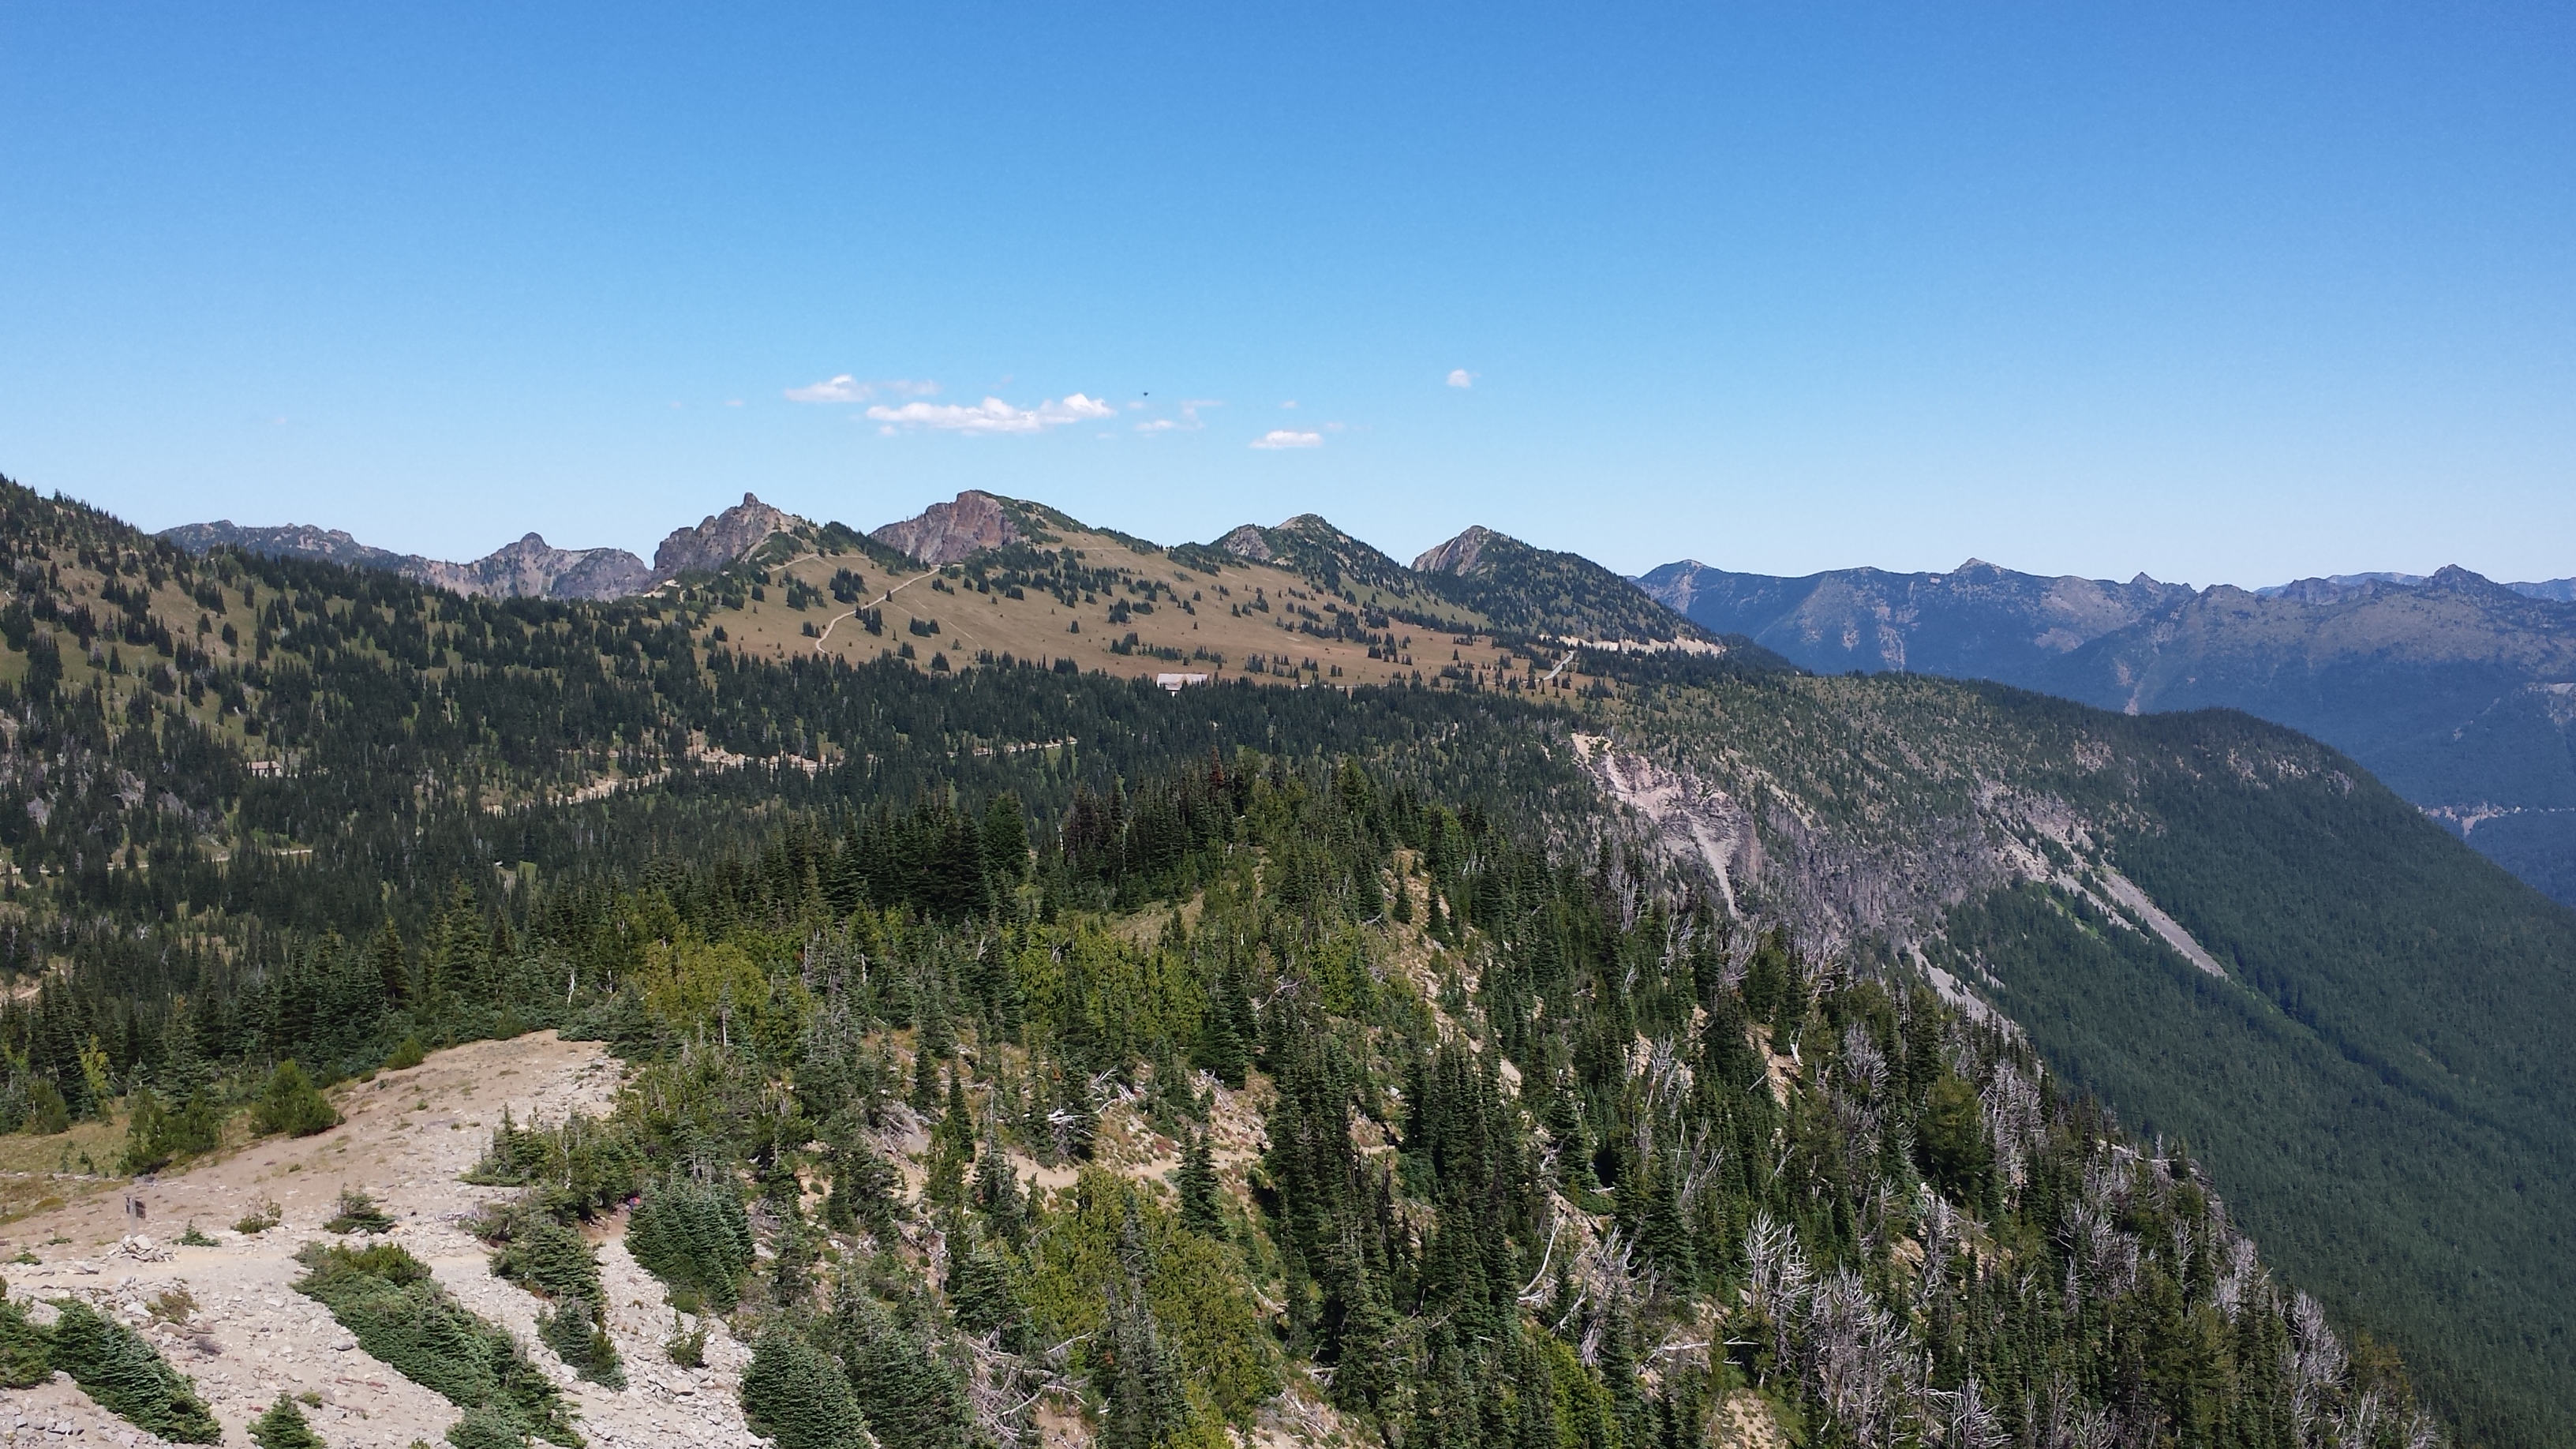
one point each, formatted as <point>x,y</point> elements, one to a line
<point>1247,542</point>
<point>1459,555</point>
<point>948,532</point>
<point>720,538</point>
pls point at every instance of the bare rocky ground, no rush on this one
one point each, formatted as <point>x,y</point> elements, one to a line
<point>251,1336</point>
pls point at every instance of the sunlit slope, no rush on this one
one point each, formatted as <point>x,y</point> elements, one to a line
<point>1100,602</point>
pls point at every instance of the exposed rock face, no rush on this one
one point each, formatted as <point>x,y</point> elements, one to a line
<point>1458,555</point>
<point>948,532</point>
<point>1247,542</point>
<point>720,538</point>
<point>530,568</point>
<point>293,540</point>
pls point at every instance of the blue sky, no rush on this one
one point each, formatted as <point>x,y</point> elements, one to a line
<point>2214,292</point>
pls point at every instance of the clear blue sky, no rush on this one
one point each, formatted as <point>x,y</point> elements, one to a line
<point>2217,292</point>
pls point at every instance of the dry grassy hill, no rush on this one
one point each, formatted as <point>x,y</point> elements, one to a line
<point>1119,605</point>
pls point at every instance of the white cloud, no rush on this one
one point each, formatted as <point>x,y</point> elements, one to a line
<point>1288,438</point>
<point>848,389</point>
<point>1461,377</point>
<point>1187,422</point>
<point>992,415</point>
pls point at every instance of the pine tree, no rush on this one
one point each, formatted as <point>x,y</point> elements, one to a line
<point>979,1293</point>
<point>793,1393</point>
<point>1143,1387</point>
<point>291,1104</point>
<point>998,1195</point>
<point>389,964</point>
<point>1198,1184</point>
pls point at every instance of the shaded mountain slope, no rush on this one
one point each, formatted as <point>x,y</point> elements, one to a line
<point>2447,687</point>
<point>1543,591</point>
<point>2386,1023</point>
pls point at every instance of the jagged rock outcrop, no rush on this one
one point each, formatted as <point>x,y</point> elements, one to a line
<point>292,540</point>
<point>720,538</point>
<point>1247,542</point>
<point>533,568</point>
<point>948,532</point>
<point>528,569</point>
<point>1459,555</point>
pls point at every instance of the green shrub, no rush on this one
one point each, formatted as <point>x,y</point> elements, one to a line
<point>407,1053</point>
<point>576,1168</point>
<point>573,1330</point>
<point>794,1393</point>
<point>1201,1304</point>
<point>156,1135</point>
<point>693,1236</point>
<point>129,1377</point>
<point>687,1347</point>
<point>551,1257</point>
<point>283,1427</point>
<point>544,1255</point>
<point>293,1105</point>
<point>386,1297</point>
<point>253,1224</point>
<point>24,1358</point>
<point>486,1429</point>
<point>47,1113</point>
<point>359,1214</point>
<point>189,1237</point>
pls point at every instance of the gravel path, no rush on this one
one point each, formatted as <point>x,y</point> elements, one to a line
<point>250,1336</point>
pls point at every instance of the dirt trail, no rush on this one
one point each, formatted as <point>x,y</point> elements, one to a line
<point>408,1136</point>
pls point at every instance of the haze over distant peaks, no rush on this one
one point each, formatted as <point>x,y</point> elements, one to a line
<point>528,569</point>
<point>2458,691</point>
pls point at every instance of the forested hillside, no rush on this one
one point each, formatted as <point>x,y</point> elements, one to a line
<point>2458,692</point>
<point>2372,1073</point>
<point>1576,1125</point>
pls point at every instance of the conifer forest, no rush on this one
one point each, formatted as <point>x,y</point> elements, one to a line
<point>1016,1054</point>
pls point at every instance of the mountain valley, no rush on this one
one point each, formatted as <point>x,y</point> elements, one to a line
<point>1507,1012</point>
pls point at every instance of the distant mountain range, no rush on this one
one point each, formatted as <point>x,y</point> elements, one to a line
<point>1480,579</point>
<point>529,568</point>
<point>2457,691</point>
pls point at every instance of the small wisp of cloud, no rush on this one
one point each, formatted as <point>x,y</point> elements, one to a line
<point>846,388</point>
<point>1288,438</point>
<point>992,415</point>
<point>1461,377</point>
<point>1187,422</point>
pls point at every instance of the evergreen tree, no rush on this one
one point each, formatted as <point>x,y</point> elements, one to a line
<point>389,965</point>
<point>291,1104</point>
<point>1145,1400</point>
<point>795,1394</point>
<point>1199,1188</point>
<point>283,1427</point>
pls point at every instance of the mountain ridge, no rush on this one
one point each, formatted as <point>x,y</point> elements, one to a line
<point>325,755</point>
<point>2440,683</point>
